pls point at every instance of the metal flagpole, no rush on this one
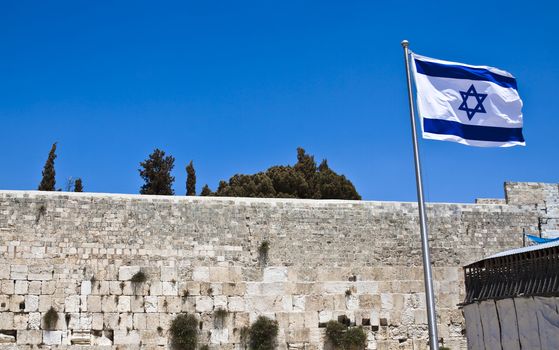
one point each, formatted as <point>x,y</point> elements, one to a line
<point>427,274</point>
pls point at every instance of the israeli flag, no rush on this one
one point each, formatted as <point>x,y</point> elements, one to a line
<point>472,105</point>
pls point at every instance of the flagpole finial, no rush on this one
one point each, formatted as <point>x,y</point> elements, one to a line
<point>405,43</point>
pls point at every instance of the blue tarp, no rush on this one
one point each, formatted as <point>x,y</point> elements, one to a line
<point>540,240</point>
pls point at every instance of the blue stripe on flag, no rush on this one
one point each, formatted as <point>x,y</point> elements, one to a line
<point>462,72</point>
<point>472,132</point>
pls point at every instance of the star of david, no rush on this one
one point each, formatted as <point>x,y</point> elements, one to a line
<point>479,105</point>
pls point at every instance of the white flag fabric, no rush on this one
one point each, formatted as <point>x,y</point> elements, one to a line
<point>472,105</point>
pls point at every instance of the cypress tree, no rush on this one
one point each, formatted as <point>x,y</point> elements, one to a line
<point>206,191</point>
<point>156,173</point>
<point>190,180</point>
<point>48,181</point>
<point>78,186</point>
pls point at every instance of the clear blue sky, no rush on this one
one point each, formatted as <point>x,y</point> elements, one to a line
<point>236,86</point>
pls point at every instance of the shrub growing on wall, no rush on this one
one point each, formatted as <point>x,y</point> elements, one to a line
<point>263,334</point>
<point>184,332</point>
<point>50,319</point>
<point>341,337</point>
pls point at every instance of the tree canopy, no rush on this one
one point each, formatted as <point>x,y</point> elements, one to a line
<point>48,180</point>
<point>190,180</point>
<point>156,173</point>
<point>303,180</point>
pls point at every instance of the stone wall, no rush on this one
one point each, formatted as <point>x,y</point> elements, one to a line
<point>327,259</point>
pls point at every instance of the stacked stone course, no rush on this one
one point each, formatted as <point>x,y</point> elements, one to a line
<point>328,259</point>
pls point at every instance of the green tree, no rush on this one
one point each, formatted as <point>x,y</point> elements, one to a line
<point>263,334</point>
<point>330,185</point>
<point>48,181</point>
<point>190,180</point>
<point>78,186</point>
<point>206,191</point>
<point>156,173</point>
<point>184,332</point>
<point>303,180</point>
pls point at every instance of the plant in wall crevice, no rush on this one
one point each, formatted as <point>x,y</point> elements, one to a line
<point>263,334</point>
<point>184,332</point>
<point>50,318</point>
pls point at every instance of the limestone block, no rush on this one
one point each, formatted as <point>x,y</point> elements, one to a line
<point>81,338</point>
<point>48,287</point>
<point>126,321</point>
<point>137,304</point>
<point>151,304</point>
<point>192,287</point>
<point>29,337</point>
<point>204,304</point>
<point>366,287</point>
<point>123,304</point>
<point>4,271</point>
<point>8,287</point>
<point>219,274</point>
<point>52,337</point>
<point>219,336</point>
<point>298,303</point>
<point>19,272</point>
<point>311,319</point>
<point>233,288</point>
<point>170,288</point>
<point>298,335</point>
<point>168,274</point>
<point>6,320</point>
<point>155,288</point>
<point>21,320</point>
<point>386,301</point>
<point>116,287</point>
<point>325,316</point>
<point>7,339</point>
<point>108,304</point>
<point>45,302</point>
<point>100,288</point>
<point>352,302</point>
<point>16,303</point>
<point>31,303</point>
<point>97,321</point>
<point>85,288</point>
<point>72,303</point>
<point>274,288</point>
<point>94,303</point>
<point>40,273</point>
<point>287,303</point>
<point>111,320</point>
<point>35,287</point>
<point>253,288</point>
<point>235,304</point>
<point>21,287</point>
<point>125,273</point>
<point>4,303</point>
<point>139,321</point>
<point>201,274</point>
<point>275,274</point>
<point>220,302</point>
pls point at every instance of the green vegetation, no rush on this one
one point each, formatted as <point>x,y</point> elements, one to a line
<point>190,180</point>
<point>50,318</point>
<point>48,181</point>
<point>78,185</point>
<point>206,191</point>
<point>156,173</point>
<point>342,337</point>
<point>263,250</point>
<point>263,334</point>
<point>139,277</point>
<point>184,332</point>
<point>303,180</point>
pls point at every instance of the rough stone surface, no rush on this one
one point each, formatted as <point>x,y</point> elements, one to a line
<point>327,259</point>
